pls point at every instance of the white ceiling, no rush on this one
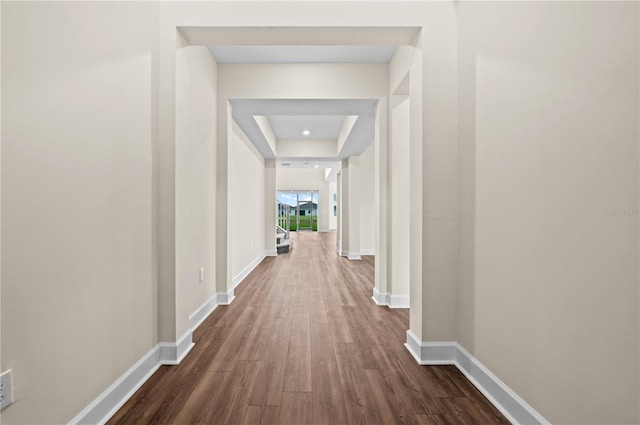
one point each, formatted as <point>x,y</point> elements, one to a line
<point>303,54</point>
<point>291,127</point>
<point>362,133</point>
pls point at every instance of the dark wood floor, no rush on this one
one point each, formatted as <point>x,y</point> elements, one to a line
<point>303,343</point>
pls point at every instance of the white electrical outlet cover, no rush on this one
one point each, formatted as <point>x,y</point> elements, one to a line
<point>6,389</point>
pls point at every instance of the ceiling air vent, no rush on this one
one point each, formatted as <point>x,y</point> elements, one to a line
<point>285,164</point>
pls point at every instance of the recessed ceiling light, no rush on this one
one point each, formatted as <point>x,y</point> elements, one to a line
<point>306,132</point>
<point>316,166</point>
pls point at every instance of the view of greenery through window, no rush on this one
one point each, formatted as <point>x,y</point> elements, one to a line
<point>302,207</point>
<point>304,223</point>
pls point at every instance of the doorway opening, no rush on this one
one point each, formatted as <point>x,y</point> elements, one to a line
<point>298,210</point>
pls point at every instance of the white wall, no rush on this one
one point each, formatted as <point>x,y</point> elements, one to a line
<point>400,196</point>
<point>367,202</point>
<point>246,201</point>
<point>306,148</point>
<point>350,211</point>
<point>78,288</point>
<point>270,206</point>
<point>308,179</point>
<point>333,219</point>
<point>304,81</point>
<point>550,103</point>
<point>196,88</point>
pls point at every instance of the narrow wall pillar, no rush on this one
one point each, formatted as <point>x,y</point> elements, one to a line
<point>345,209</point>
<point>399,196</point>
<point>164,182</point>
<point>433,180</point>
<point>224,286</point>
<point>353,201</point>
<point>270,207</point>
<point>381,194</point>
<point>339,215</point>
<point>439,209</point>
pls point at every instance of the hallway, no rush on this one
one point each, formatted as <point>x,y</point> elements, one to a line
<point>303,343</point>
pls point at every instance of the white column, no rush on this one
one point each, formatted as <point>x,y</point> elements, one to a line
<point>415,201</point>
<point>345,209</point>
<point>270,207</point>
<point>439,176</point>
<point>353,200</point>
<point>164,179</point>
<point>382,203</point>
<point>399,200</point>
<point>433,173</point>
<point>224,285</point>
<point>339,217</point>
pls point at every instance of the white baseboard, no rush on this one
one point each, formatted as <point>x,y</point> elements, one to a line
<point>324,230</point>
<point>380,298</point>
<point>348,254</point>
<point>398,301</point>
<point>245,272</point>
<point>172,353</point>
<point>367,252</point>
<point>514,408</point>
<point>390,300</point>
<point>198,316</point>
<point>113,398</point>
<point>100,410</point>
<point>225,298</point>
<point>271,253</point>
<point>430,353</point>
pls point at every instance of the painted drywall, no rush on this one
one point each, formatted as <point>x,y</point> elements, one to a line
<point>433,152</point>
<point>78,288</point>
<point>196,87</point>
<point>270,207</point>
<point>304,81</point>
<point>367,201</point>
<point>265,128</point>
<point>351,209</point>
<point>347,126</point>
<point>345,207</point>
<point>246,201</point>
<point>333,191</point>
<point>1,364</point>
<point>307,179</point>
<point>552,109</point>
<point>339,212</point>
<point>306,148</point>
<point>402,67</point>
<point>465,300</point>
<point>400,196</point>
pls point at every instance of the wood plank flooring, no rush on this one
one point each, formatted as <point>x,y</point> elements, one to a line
<point>303,343</point>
